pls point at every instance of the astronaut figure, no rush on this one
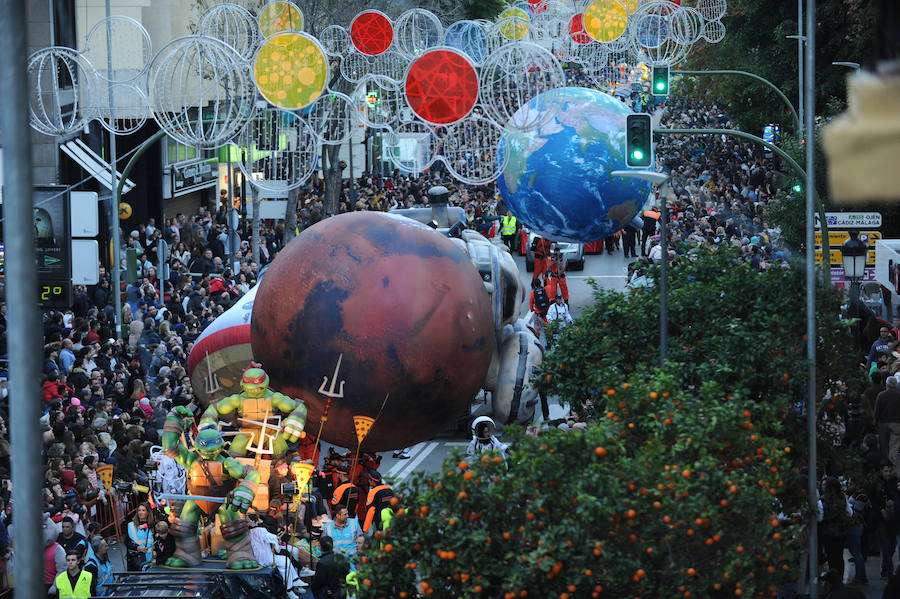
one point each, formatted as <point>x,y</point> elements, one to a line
<point>483,439</point>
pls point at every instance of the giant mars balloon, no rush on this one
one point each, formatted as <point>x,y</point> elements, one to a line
<point>384,315</point>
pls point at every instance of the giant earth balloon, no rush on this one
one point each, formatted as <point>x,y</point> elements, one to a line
<point>557,180</point>
<point>403,309</point>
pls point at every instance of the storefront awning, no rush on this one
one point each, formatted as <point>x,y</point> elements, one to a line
<point>79,151</point>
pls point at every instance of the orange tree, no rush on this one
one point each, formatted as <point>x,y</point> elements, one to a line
<point>671,493</point>
<point>673,489</point>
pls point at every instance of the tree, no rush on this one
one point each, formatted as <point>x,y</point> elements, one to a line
<point>755,41</point>
<point>674,488</point>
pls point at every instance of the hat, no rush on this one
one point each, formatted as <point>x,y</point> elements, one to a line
<point>99,422</point>
<point>135,234</point>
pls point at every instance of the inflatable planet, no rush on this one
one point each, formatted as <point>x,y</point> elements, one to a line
<point>557,179</point>
<point>383,315</point>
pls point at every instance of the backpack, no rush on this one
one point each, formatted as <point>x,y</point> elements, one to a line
<point>541,300</point>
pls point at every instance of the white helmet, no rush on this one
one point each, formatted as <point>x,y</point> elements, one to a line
<point>483,427</point>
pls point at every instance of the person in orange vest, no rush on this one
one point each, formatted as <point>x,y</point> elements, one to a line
<point>556,275</point>
<point>650,218</point>
<point>378,504</point>
<point>541,249</point>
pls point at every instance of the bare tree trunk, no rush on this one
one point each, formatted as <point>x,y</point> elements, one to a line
<point>290,216</point>
<point>254,240</point>
<point>332,169</point>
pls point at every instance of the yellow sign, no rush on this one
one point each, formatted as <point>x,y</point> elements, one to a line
<point>837,238</point>
<point>280,16</point>
<point>835,257</point>
<point>290,70</point>
<point>605,20</point>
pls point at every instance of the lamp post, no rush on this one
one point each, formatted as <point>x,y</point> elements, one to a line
<point>853,256</point>
<point>662,180</point>
<point>845,63</point>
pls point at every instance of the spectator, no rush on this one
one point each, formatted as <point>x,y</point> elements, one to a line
<point>328,581</point>
<point>887,415</point>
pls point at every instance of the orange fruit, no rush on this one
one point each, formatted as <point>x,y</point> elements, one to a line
<point>691,572</point>
<point>462,495</point>
<point>388,548</point>
<point>469,475</point>
<point>600,452</point>
<point>630,514</point>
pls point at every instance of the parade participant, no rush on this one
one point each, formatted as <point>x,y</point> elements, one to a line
<point>557,275</point>
<point>559,312</point>
<point>539,301</point>
<point>541,249</point>
<point>252,406</point>
<point>508,228</point>
<point>75,583</point>
<point>344,531</point>
<point>483,439</point>
<point>210,474</point>
<point>100,567</point>
<point>378,506</point>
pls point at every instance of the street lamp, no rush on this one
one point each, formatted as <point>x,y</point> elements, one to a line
<point>662,180</point>
<point>844,63</point>
<point>853,256</point>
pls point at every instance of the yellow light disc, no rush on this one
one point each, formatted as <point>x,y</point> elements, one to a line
<point>280,16</point>
<point>514,23</point>
<point>631,5</point>
<point>290,70</point>
<point>605,20</point>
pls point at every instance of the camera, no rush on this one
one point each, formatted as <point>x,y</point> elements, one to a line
<point>289,488</point>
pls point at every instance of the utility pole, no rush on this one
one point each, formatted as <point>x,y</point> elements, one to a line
<point>24,334</point>
<point>113,199</point>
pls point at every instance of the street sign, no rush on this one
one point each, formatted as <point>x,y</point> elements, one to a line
<point>852,220</point>
<point>835,257</point>
<point>837,238</point>
<point>837,275</point>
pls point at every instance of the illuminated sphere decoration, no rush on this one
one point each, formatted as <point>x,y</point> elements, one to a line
<point>372,32</point>
<point>233,25</point>
<point>281,147</point>
<point>605,20</point>
<point>291,70</point>
<point>54,111</point>
<point>279,16</point>
<point>201,91</point>
<point>441,86</point>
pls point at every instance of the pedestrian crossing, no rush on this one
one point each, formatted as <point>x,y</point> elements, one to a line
<point>435,450</point>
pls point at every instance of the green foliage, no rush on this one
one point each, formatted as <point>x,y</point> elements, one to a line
<point>755,41</point>
<point>672,489</point>
<point>674,484</point>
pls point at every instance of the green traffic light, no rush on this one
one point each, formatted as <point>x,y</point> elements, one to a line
<point>797,188</point>
<point>637,155</point>
<point>660,85</point>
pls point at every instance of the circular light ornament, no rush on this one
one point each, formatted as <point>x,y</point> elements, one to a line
<point>132,49</point>
<point>418,30</point>
<point>576,30</point>
<point>61,82</point>
<point>280,16</point>
<point>712,10</point>
<point>201,92</point>
<point>130,103</point>
<point>512,76</point>
<point>441,86</point>
<point>290,70</point>
<point>605,20</point>
<point>335,40</point>
<point>713,31</point>
<point>372,32</point>
<point>331,118</point>
<point>470,150</point>
<point>232,24</point>
<point>514,23</point>
<point>412,147</point>
<point>468,37</point>
<point>538,6</point>
<point>281,146</point>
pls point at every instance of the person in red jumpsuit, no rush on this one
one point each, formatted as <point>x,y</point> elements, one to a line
<point>541,248</point>
<point>557,275</point>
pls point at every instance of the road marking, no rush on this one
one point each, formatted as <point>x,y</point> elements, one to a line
<point>456,443</point>
<point>596,276</point>
<point>409,468</point>
<point>398,466</point>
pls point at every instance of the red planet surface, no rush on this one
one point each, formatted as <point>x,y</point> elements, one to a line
<point>399,304</point>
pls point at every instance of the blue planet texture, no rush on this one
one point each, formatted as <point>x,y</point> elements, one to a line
<point>557,179</point>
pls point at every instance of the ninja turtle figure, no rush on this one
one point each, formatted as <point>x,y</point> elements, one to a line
<point>210,474</point>
<point>251,409</point>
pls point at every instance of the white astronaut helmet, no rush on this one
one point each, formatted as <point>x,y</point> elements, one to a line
<point>483,428</point>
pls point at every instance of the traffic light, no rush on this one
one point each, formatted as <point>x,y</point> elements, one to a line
<point>660,81</point>
<point>372,99</point>
<point>638,141</point>
<point>797,188</point>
